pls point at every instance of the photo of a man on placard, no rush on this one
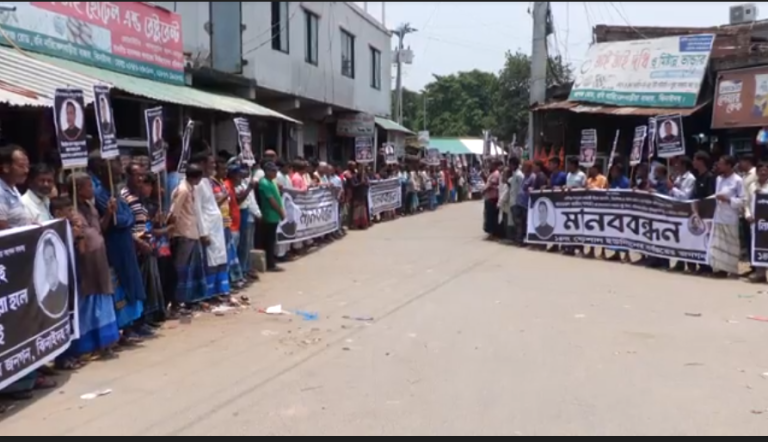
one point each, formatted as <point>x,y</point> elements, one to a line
<point>545,214</point>
<point>587,156</point>
<point>105,116</point>
<point>157,133</point>
<point>669,132</point>
<point>72,116</point>
<point>50,275</point>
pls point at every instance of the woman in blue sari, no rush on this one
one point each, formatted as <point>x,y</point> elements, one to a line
<point>121,252</point>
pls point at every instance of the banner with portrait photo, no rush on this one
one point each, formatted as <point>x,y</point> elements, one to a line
<point>308,215</point>
<point>433,157</point>
<point>760,230</point>
<point>38,298</point>
<point>638,146</point>
<point>69,120</point>
<point>670,139</point>
<point>588,151</point>
<point>155,141</point>
<point>245,140</point>
<point>105,121</point>
<point>186,146</point>
<point>390,153</point>
<point>364,150</point>
<point>384,196</point>
<point>638,221</point>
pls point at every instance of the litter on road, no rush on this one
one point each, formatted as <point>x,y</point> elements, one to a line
<point>276,310</point>
<point>95,394</point>
<point>359,318</point>
<point>758,318</point>
<point>694,315</point>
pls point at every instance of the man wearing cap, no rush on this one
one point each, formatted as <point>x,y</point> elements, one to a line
<point>272,213</point>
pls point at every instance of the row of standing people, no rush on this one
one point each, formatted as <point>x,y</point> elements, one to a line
<point>733,183</point>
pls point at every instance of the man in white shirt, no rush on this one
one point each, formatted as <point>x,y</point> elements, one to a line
<point>37,198</point>
<point>685,184</point>
<point>683,189</point>
<point>759,186</point>
<point>576,178</point>
<point>250,214</point>
<point>725,244</point>
<point>748,173</point>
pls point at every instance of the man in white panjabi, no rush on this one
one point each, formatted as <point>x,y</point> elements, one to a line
<point>725,245</point>
<point>759,186</point>
<point>212,234</point>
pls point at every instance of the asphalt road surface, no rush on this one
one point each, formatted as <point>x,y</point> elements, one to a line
<point>468,337</point>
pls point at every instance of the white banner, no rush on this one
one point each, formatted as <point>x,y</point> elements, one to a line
<point>385,195</point>
<point>643,222</point>
<point>659,72</point>
<point>308,215</point>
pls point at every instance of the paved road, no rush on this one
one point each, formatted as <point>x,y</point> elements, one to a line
<point>470,337</point>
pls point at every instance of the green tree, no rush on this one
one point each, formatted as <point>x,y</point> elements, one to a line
<point>466,103</point>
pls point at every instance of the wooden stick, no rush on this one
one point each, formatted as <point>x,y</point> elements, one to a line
<point>111,188</point>
<point>74,189</point>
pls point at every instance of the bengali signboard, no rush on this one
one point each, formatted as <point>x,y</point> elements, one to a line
<point>133,38</point>
<point>741,99</point>
<point>660,72</point>
<point>643,222</point>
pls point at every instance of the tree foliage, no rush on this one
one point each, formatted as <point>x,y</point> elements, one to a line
<point>466,103</point>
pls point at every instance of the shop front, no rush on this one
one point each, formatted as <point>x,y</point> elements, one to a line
<point>144,70</point>
<point>740,110</point>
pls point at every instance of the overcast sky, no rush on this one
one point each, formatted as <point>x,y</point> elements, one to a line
<point>463,36</point>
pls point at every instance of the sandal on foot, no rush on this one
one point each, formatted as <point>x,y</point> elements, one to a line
<point>69,365</point>
<point>43,383</point>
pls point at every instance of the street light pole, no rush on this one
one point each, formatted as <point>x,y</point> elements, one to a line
<point>401,32</point>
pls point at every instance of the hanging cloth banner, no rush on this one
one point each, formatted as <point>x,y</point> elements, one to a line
<point>69,120</point>
<point>155,142</point>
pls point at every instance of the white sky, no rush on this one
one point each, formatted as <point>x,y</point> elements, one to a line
<point>463,36</point>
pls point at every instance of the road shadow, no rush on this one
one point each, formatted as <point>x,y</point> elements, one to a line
<point>10,407</point>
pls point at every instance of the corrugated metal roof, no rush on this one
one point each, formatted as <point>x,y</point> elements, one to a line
<point>387,124</point>
<point>580,108</point>
<point>36,79</point>
<point>449,145</point>
<point>170,93</point>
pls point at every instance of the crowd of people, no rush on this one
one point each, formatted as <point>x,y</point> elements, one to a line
<point>732,182</point>
<point>149,253</point>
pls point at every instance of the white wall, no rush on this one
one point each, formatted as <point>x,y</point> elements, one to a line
<point>289,73</point>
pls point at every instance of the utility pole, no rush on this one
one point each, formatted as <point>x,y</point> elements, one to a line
<point>401,32</point>
<point>539,61</point>
<point>426,99</point>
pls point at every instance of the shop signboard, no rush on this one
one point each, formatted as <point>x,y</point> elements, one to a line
<point>661,72</point>
<point>741,99</point>
<point>356,125</point>
<point>133,38</point>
